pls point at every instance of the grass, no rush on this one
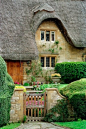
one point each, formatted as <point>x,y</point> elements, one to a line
<point>61,86</point>
<point>58,86</point>
<point>73,124</point>
<point>10,126</point>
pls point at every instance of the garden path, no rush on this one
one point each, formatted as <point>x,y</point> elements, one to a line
<point>39,125</point>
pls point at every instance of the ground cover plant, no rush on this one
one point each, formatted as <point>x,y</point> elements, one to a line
<point>73,124</point>
<point>11,126</point>
<point>71,71</point>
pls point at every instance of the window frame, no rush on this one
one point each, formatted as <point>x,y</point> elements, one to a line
<point>50,35</point>
<point>50,63</point>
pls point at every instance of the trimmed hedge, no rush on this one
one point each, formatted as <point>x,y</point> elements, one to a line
<point>71,71</point>
<point>76,94</point>
<point>6,91</point>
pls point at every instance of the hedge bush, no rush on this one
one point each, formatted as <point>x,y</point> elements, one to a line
<point>5,94</point>
<point>71,71</point>
<point>61,109</point>
<point>76,94</point>
<point>9,79</point>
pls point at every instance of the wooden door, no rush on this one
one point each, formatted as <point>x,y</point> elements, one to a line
<point>15,69</point>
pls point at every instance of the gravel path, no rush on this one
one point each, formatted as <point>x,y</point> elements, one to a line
<point>39,125</point>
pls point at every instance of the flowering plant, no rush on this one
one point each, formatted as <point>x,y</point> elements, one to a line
<point>56,75</point>
<point>16,82</point>
<point>21,87</point>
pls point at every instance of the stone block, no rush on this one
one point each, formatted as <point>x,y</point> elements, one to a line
<point>15,98</point>
<point>12,101</point>
<point>12,112</point>
<point>16,93</point>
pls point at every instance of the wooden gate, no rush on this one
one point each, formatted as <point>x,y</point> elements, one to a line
<point>35,106</point>
<point>15,69</point>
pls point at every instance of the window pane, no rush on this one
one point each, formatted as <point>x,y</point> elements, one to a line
<point>47,62</point>
<point>42,35</point>
<point>42,61</point>
<point>47,35</point>
<point>52,36</point>
<point>52,61</point>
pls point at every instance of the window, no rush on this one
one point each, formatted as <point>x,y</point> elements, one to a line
<point>48,61</point>
<point>47,35</point>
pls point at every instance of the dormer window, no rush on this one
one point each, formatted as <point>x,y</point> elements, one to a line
<point>47,36</point>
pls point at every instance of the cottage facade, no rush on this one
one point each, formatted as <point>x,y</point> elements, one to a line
<point>49,31</point>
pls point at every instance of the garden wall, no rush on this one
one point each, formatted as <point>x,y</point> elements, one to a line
<point>17,105</point>
<point>16,112</point>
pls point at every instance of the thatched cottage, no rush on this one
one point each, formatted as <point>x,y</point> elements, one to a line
<point>49,30</point>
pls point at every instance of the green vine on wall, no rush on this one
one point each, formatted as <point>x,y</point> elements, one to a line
<point>52,50</point>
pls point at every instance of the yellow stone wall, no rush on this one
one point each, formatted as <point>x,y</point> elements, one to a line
<point>52,96</point>
<point>16,112</point>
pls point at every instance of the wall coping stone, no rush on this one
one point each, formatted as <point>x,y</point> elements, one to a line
<point>55,89</point>
<point>19,89</point>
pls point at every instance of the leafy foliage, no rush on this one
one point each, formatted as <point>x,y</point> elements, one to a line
<point>9,79</point>
<point>58,112</point>
<point>26,84</point>
<point>71,71</point>
<point>6,91</point>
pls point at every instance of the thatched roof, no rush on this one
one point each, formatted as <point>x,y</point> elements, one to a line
<point>19,20</point>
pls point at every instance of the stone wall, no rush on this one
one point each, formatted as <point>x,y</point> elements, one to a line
<point>52,96</point>
<point>16,113</point>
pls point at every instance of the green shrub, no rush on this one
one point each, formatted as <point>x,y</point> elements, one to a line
<point>11,88</point>
<point>75,92</point>
<point>5,94</point>
<point>9,79</point>
<point>24,118</point>
<point>71,71</point>
<point>60,109</point>
<point>26,84</point>
<point>78,101</point>
<point>74,87</point>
